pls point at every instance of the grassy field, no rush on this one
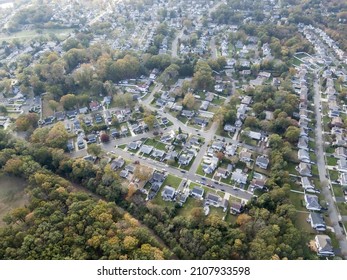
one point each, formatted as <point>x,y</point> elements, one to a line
<point>297,200</point>
<point>61,33</point>
<point>11,195</point>
<point>331,161</point>
<point>172,181</point>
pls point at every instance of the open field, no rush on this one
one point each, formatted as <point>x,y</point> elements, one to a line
<point>61,33</point>
<point>11,195</point>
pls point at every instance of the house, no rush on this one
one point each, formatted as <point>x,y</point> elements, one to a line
<point>337,121</point>
<point>213,199</point>
<point>71,114</point>
<point>258,183</point>
<point>324,246</point>
<point>254,135</point>
<point>200,121</point>
<point>262,162</point>
<point>245,156</point>
<point>217,145</point>
<point>187,113</point>
<point>317,221</point>
<point>342,165</point>
<point>221,172</point>
<point>158,153</point>
<point>208,169</point>
<point>209,96</point>
<point>246,100</point>
<point>118,163</point>
<point>184,159</point>
<point>224,204</point>
<point>304,169</point>
<point>156,181</point>
<point>114,132</point>
<point>124,173</point>
<point>83,110</point>
<point>241,111</point>
<point>91,138</point>
<point>239,177</point>
<point>197,192</point>
<point>204,105</point>
<point>168,193</point>
<point>130,168</point>
<point>230,150</point>
<point>303,155</point>
<point>306,184</point>
<point>303,143</point>
<point>236,207</point>
<point>312,202</point>
<point>343,179</point>
<point>341,152</point>
<point>146,149</point>
<point>340,141</point>
<point>229,128</point>
<point>59,116</point>
<point>94,106</point>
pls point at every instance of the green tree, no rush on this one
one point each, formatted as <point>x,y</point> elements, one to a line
<point>68,101</point>
<point>94,150</point>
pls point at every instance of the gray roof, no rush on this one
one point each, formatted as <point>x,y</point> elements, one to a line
<point>197,191</point>
<point>213,197</point>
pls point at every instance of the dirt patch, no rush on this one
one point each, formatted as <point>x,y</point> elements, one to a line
<point>12,195</point>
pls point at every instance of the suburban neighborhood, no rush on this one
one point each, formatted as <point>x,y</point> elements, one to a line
<point>187,109</point>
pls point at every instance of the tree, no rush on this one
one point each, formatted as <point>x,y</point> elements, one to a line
<point>25,122</point>
<point>104,138</point>
<point>57,137</point>
<point>150,120</point>
<point>94,149</point>
<point>68,101</point>
<point>189,100</point>
<point>143,172</point>
<point>53,105</point>
<point>292,134</point>
<point>275,141</point>
<point>203,78</point>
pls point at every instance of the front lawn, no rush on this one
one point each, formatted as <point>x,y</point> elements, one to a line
<point>172,181</point>
<point>331,161</point>
<point>334,175</point>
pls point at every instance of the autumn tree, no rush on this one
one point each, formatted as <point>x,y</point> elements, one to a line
<point>143,172</point>
<point>26,122</point>
<point>189,100</point>
<point>150,120</point>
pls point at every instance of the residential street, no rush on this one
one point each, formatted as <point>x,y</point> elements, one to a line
<point>333,213</point>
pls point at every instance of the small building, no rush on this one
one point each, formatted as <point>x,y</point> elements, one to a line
<point>124,173</point>
<point>312,202</point>
<point>197,192</point>
<point>245,156</point>
<point>236,207</point>
<point>117,163</point>
<point>213,199</point>
<point>317,221</point>
<point>324,246</point>
<point>304,156</point>
<point>262,162</point>
<point>146,149</point>
<point>304,169</point>
<point>239,177</point>
<point>221,172</point>
<point>168,193</point>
